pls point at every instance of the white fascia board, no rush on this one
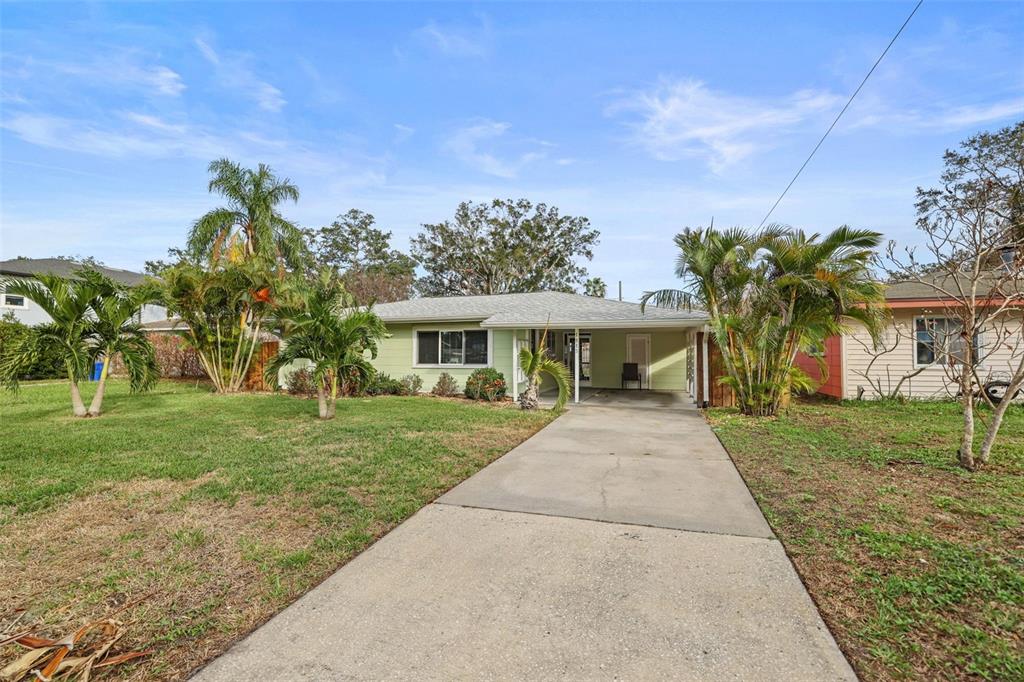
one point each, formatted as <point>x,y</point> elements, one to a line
<point>432,318</point>
<point>598,324</point>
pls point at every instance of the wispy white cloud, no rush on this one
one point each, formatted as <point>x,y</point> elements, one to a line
<point>403,132</point>
<point>457,41</point>
<point>876,112</point>
<point>684,118</point>
<point>467,144</point>
<point>128,69</point>
<point>234,71</point>
<point>135,135</point>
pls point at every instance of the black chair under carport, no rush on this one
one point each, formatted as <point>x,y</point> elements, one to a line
<point>631,372</point>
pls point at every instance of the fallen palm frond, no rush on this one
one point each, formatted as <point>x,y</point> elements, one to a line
<point>50,659</point>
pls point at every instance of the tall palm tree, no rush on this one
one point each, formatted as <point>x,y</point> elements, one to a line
<point>250,225</point>
<point>117,332</point>
<point>536,363</point>
<point>335,337</point>
<point>771,294</point>
<point>67,301</point>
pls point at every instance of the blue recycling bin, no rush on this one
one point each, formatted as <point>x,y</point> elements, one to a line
<point>97,370</point>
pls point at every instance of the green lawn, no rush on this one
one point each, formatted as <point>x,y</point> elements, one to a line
<point>226,508</point>
<point>916,564</point>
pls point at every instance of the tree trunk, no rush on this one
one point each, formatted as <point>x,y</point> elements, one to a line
<point>332,398</point>
<point>997,419</point>
<point>321,399</point>
<point>530,398</point>
<point>77,406</point>
<point>96,405</point>
<point>966,452</point>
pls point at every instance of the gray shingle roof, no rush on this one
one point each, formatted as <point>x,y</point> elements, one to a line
<point>905,290</point>
<point>534,310</point>
<point>28,267</point>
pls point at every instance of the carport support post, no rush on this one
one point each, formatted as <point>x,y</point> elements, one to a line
<point>576,363</point>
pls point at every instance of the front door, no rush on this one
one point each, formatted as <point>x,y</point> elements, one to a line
<point>638,350</point>
<point>568,350</point>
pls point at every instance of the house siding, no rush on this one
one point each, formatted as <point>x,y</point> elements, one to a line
<point>832,357</point>
<point>31,314</point>
<point>395,354</point>
<point>932,382</point>
<point>668,358</point>
<point>608,352</point>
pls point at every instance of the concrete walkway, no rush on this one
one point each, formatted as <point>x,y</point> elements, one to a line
<point>617,543</point>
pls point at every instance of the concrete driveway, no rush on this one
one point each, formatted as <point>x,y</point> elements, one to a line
<point>617,543</point>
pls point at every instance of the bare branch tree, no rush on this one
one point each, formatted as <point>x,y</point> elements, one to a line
<point>888,387</point>
<point>973,229</point>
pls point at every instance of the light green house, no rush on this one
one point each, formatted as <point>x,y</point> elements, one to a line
<point>595,337</point>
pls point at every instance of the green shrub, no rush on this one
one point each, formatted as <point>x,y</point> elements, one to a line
<point>49,364</point>
<point>446,385</point>
<point>382,384</point>
<point>485,383</point>
<point>412,384</point>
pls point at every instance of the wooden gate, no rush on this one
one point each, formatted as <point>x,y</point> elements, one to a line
<point>254,380</point>
<point>721,395</point>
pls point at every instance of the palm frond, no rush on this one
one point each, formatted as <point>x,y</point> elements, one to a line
<point>667,298</point>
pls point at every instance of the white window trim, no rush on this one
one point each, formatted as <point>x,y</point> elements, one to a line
<point>980,343</point>
<point>5,304</point>
<point>416,348</point>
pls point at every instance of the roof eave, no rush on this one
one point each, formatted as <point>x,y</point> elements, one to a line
<point>432,318</point>
<point>597,324</point>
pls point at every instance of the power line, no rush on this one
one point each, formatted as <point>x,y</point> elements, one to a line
<point>848,103</point>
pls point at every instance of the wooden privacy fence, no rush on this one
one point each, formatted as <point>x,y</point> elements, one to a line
<point>254,380</point>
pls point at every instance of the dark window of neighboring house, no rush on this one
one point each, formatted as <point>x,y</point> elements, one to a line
<point>426,344</point>
<point>16,301</point>
<point>451,348</point>
<point>939,340</point>
<point>476,347</point>
<point>550,343</point>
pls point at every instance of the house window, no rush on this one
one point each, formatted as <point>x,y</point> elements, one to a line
<point>939,340</point>
<point>549,342</point>
<point>13,301</point>
<point>476,347</point>
<point>451,348</point>
<point>468,347</point>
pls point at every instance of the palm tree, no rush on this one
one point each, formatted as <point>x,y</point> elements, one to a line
<point>534,364</point>
<point>250,224</point>
<point>67,301</point>
<point>334,337</point>
<point>771,294</point>
<point>223,312</point>
<point>116,332</point>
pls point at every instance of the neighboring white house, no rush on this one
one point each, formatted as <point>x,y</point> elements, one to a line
<point>29,313</point>
<point>913,350</point>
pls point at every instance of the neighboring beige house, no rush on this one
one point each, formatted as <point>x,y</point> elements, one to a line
<point>914,348</point>
<point>595,337</point>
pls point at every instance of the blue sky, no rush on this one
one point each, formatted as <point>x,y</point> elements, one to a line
<point>645,118</point>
